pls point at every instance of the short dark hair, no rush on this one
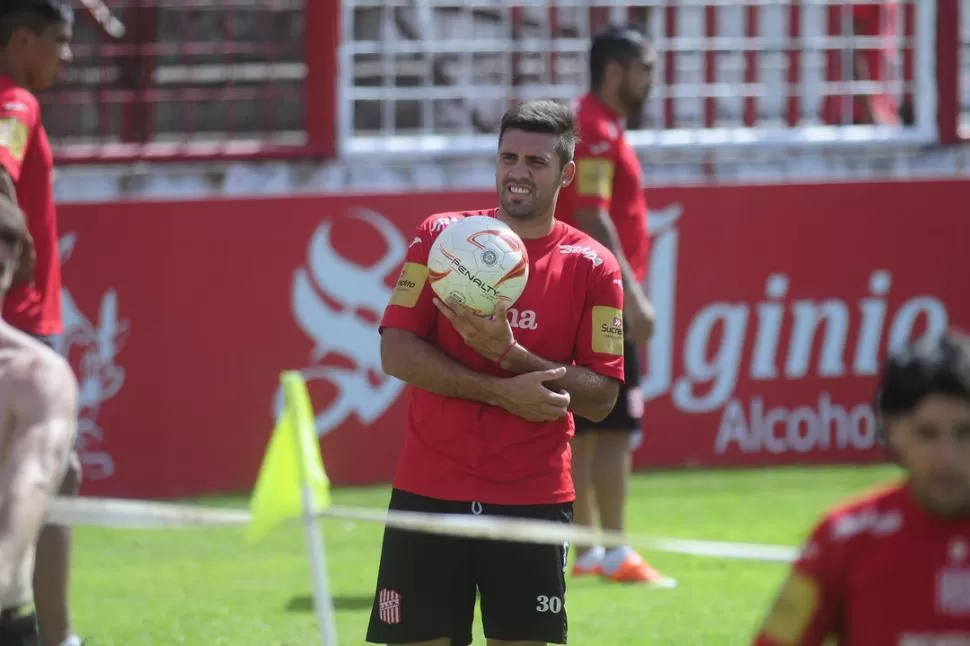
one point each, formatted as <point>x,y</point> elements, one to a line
<point>36,15</point>
<point>548,117</point>
<point>614,44</point>
<point>938,366</point>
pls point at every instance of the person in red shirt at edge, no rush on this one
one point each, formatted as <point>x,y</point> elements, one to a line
<point>876,65</point>
<point>35,40</point>
<point>491,407</point>
<point>607,201</point>
<point>893,568</point>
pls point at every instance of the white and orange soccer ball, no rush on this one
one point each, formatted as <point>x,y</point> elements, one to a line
<point>478,261</point>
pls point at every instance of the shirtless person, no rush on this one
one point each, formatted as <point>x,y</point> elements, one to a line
<point>38,400</point>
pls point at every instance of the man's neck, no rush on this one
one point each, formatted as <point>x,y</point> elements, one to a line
<point>613,103</point>
<point>13,73</point>
<point>929,509</point>
<point>531,227</point>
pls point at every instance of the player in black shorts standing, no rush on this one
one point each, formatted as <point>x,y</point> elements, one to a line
<point>607,201</point>
<point>490,411</point>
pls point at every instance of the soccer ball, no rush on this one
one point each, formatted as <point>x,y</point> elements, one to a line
<point>478,261</point>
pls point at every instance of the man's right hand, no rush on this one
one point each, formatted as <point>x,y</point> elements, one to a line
<point>638,315</point>
<point>527,396</point>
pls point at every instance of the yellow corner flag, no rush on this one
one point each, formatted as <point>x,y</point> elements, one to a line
<point>291,460</point>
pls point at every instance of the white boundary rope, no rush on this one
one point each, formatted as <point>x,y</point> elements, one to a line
<point>139,514</point>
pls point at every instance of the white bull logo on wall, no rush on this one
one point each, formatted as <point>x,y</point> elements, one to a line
<point>362,390</point>
<point>92,349</point>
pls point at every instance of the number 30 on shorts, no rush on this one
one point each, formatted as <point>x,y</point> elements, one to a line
<point>548,604</point>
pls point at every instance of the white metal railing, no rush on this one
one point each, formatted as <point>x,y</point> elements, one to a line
<point>432,77</point>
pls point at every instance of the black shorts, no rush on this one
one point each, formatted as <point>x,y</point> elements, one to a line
<point>627,414</point>
<point>18,627</point>
<point>427,583</point>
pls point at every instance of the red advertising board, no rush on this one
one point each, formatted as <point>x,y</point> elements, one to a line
<point>774,305</point>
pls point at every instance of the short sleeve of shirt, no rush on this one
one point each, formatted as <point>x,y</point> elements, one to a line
<point>595,168</point>
<point>411,307</point>
<point>19,115</point>
<point>807,609</point>
<point>599,345</point>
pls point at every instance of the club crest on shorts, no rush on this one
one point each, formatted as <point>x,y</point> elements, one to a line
<point>389,606</point>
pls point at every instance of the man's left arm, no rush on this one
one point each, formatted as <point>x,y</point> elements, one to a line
<point>807,610</point>
<point>592,395</point>
<point>42,433</point>
<point>594,381</point>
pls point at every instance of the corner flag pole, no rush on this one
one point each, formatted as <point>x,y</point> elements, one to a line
<point>322,599</point>
<point>297,402</point>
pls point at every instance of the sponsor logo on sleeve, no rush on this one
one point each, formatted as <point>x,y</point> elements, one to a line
<point>409,285</point>
<point>13,137</point>
<point>607,330</point>
<point>796,604</point>
<point>594,178</point>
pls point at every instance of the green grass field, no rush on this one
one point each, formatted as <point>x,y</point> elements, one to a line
<point>208,587</point>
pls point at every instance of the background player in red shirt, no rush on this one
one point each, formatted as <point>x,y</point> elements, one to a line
<point>607,201</point>
<point>491,403</point>
<point>34,43</point>
<point>893,569</point>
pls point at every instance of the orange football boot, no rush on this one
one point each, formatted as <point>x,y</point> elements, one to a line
<point>589,563</point>
<point>635,570</point>
<point>595,570</point>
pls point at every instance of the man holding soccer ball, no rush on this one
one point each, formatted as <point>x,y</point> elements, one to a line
<point>491,406</point>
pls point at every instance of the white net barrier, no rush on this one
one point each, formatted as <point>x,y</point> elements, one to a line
<point>145,515</point>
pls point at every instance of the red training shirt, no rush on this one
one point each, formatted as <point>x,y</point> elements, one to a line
<point>608,178</point>
<point>25,153</point>
<point>880,571</point>
<point>570,313</point>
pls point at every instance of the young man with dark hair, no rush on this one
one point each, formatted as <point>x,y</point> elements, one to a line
<point>38,400</point>
<point>607,202</point>
<point>35,40</point>
<point>491,407</point>
<point>894,566</point>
